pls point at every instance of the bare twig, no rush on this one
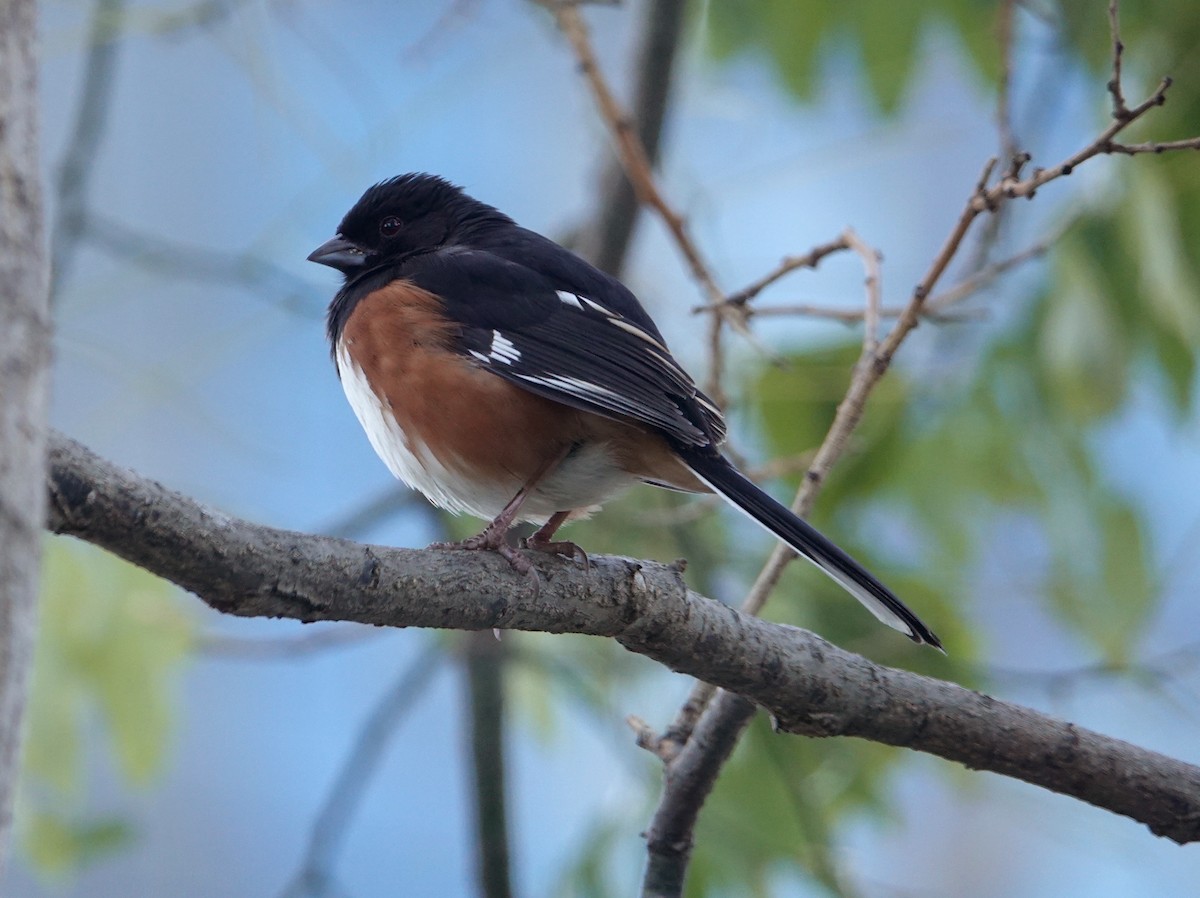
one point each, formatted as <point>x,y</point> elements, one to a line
<point>983,277</point>
<point>853,316</point>
<point>1166,146</point>
<point>605,241</point>
<point>937,306</point>
<point>636,162</point>
<point>1008,187</point>
<point>874,285</point>
<point>1120,109</point>
<point>811,259</point>
<point>629,147</point>
<point>1007,40</point>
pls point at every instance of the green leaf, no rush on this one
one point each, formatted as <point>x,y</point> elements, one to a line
<point>1168,288</point>
<point>778,806</point>
<point>57,846</point>
<point>111,640</point>
<point>1082,352</point>
<point>792,34</point>
<point>889,34</point>
<point>974,23</point>
<point>1101,581</point>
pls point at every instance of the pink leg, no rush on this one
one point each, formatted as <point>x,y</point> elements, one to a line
<point>542,542</point>
<point>494,535</point>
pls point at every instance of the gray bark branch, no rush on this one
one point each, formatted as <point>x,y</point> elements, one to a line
<point>24,373</point>
<point>808,685</point>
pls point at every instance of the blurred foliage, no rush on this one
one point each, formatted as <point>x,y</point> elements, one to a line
<point>111,640</point>
<point>794,35</point>
<point>1008,439</point>
<point>778,803</point>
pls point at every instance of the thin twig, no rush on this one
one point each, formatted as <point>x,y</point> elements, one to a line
<point>936,306</point>
<point>853,316</point>
<point>636,162</point>
<point>1008,188</point>
<point>629,147</point>
<point>1007,40</point>
<point>1136,149</point>
<point>605,240</point>
<point>968,286</point>
<point>811,259</point>
<point>1120,110</point>
<point>874,286</point>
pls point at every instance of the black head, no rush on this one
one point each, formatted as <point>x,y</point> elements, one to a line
<point>402,216</point>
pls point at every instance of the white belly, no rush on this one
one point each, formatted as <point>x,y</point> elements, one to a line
<point>585,479</point>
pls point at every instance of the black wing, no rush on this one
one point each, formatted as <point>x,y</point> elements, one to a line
<point>566,345</point>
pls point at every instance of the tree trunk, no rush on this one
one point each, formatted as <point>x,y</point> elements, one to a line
<point>24,375</point>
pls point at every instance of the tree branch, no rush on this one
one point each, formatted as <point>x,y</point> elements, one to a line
<point>808,685</point>
<point>24,382</point>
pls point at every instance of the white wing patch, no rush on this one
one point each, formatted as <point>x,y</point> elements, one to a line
<point>572,385</point>
<point>636,331</point>
<point>503,350</point>
<point>617,320</point>
<point>570,299</point>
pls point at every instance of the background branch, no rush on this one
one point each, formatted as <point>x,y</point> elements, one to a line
<point>485,660</point>
<point>316,875</point>
<point>606,239</point>
<point>808,685</point>
<point>91,120</point>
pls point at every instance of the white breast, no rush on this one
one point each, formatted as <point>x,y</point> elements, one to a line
<point>405,456</point>
<point>586,478</point>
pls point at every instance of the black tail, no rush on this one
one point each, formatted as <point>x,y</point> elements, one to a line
<point>726,480</point>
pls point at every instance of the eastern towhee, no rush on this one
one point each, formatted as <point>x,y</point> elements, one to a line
<point>501,375</point>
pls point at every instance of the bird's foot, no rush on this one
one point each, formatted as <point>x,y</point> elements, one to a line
<point>493,539</point>
<point>562,547</point>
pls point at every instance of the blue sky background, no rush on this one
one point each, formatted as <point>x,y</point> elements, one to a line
<point>255,134</point>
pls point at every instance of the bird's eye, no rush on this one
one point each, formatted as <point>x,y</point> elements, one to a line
<point>390,226</point>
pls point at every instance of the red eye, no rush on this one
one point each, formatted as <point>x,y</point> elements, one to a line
<point>390,226</point>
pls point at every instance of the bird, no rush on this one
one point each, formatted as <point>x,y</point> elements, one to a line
<point>503,376</point>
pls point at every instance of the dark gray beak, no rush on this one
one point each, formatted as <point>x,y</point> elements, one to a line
<point>339,253</point>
